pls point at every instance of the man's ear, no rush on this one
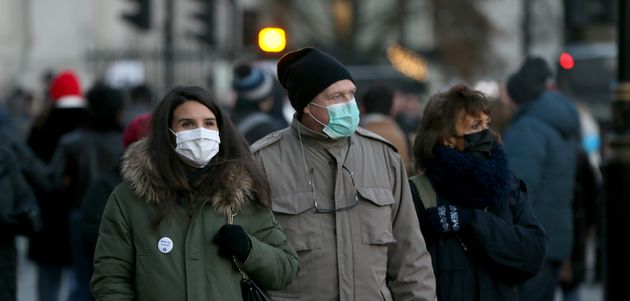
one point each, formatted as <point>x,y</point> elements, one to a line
<point>306,110</point>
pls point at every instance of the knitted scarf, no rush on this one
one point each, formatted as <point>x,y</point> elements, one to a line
<point>467,180</point>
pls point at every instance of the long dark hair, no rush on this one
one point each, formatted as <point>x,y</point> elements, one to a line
<point>172,171</point>
<point>440,117</point>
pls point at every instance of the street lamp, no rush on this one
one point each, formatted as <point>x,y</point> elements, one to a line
<point>272,39</point>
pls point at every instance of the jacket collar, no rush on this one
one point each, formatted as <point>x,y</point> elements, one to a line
<point>236,188</point>
<point>310,137</point>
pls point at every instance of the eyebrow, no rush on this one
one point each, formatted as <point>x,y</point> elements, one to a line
<point>342,92</point>
<point>477,121</point>
<point>192,119</point>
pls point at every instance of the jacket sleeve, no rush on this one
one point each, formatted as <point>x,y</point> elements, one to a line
<point>513,250</point>
<point>409,270</point>
<point>272,263</point>
<point>114,266</point>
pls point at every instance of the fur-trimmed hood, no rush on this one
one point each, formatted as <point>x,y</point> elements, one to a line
<point>235,190</point>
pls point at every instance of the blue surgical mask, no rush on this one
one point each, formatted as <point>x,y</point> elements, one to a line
<point>343,119</point>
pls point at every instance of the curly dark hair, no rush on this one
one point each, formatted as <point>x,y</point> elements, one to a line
<point>440,116</point>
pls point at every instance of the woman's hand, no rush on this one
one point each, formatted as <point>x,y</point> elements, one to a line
<point>233,241</point>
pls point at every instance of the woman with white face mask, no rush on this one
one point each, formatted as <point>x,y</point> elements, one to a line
<point>164,235</point>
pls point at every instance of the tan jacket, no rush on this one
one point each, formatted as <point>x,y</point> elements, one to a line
<point>373,251</point>
<point>387,128</point>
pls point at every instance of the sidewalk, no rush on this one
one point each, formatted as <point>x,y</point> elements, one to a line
<point>27,275</point>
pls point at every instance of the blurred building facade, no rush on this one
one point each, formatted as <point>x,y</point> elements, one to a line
<point>482,40</point>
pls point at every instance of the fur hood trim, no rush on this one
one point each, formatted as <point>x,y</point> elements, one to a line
<point>235,190</point>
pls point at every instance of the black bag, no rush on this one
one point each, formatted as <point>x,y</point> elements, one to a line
<point>249,289</point>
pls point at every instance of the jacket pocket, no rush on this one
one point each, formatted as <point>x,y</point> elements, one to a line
<point>375,208</point>
<point>299,223</point>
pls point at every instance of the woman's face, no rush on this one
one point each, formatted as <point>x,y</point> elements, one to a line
<point>191,115</point>
<point>466,125</point>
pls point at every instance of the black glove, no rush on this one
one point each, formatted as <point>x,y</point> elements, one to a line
<point>232,240</point>
<point>448,218</point>
<point>23,221</point>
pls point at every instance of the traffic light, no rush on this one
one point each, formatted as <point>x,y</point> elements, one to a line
<point>272,39</point>
<point>140,17</point>
<point>205,20</point>
<point>566,61</point>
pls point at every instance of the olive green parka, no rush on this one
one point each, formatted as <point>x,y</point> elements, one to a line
<point>178,261</point>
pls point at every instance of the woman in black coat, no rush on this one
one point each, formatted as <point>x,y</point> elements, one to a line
<point>478,225</point>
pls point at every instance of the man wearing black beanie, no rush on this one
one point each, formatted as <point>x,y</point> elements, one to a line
<point>541,145</point>
<point>341,193</point>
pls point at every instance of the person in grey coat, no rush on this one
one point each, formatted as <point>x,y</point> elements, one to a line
<point>541,146</point>
<point>341,193</point>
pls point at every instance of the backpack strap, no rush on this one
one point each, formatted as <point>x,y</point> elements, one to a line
<point>425,191</point>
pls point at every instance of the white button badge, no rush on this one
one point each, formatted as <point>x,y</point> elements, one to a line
<point>165,245</point>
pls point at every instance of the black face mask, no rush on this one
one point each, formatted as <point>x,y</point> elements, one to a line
<point>479,144</point>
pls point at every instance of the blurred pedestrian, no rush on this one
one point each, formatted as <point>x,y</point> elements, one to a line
<point>587,195</point>
<point>19,103</point>
<point>408,106</point>
<point>100,188</point>
<point>500,106</point>
<point>140,101</point>
<point>377,107</point>
<point>19,215</point>
<point>541,146</point>
<point>29,164</point>
<point>254,100</point>
<point>340,192</point>
<point>82,156</point>
<point>480,229</point>
<point>50,247</point>
<point>163,235</point>
<point>573,270</point>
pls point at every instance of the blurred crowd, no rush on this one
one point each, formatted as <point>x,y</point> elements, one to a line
<point>61,158</point>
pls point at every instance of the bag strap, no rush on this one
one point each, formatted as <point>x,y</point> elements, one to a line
<point>230,221</point>
<point>425,190</point>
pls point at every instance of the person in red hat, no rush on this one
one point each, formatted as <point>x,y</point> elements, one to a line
<point>50,247</point>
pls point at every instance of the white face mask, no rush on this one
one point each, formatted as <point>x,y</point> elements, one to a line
<point>197,147</point>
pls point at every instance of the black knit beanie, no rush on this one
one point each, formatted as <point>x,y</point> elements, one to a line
<point>307,72</point>
<point>529,82</point>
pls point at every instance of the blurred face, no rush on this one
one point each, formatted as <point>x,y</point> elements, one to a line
<point>339,92</point>
<point>191,115</point>
<point>466,125</point>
